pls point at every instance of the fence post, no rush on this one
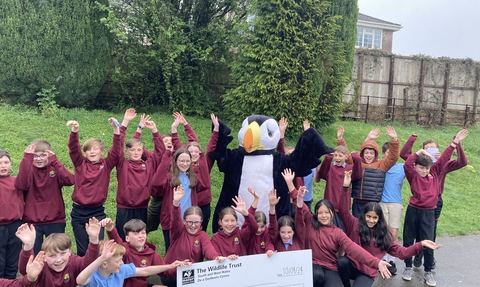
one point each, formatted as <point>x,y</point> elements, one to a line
<point>393,110</point>
<point>420,90</point>
<point>366,110</point>
<point>465,121</point>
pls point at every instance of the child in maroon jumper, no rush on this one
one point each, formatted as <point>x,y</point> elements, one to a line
<point>34,267</point>
<point>201,163</point>
<point>189,241</point>
<point>41,176</point>
<point>62,266</point>
<point>261,240</point>
<point>11,210</point>
<point>137,250</point>
<point>230,241</point>
<point>92,178</point>
<point>371,232</point>
<point>135,173</point>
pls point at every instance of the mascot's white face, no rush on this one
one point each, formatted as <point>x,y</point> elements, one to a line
<point>259,133</point>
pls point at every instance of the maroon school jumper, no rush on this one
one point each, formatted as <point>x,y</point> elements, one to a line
<point>135,176</point>
<point>351,226</point>
<point>451,165</point>
<point>43,199</point>
<point>425,190</point>
<point>21,282</point>
<point>161,189</point>
<point>66,278</point>
<point>235,243</point>
<point>184,245</point>
<point>148,256</point>
<point>334,175</point>
<point>326,241</point>
<point>11,201</point>
<point>297,239</point>
<point>92,179</point>
<point>260,243</point>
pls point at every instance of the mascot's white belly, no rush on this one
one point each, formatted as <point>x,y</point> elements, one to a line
<point>257,173</point>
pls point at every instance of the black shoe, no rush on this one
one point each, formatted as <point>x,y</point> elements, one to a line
<point>393,268</point>
<point>417,262</point>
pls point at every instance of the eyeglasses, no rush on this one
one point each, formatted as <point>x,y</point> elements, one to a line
<point>184,161</point>
<point>196,223</point>
<point>42,156</point>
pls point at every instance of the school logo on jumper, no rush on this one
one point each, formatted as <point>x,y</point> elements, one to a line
<point>144,167</point>
<point>100,167</point>
<point>52,173</point>
<point>66,278</point>
<point>143,263</point>
<point>236,240</point>
<point>188,277</point>
<point>262,244</point>
<point>196,243</point>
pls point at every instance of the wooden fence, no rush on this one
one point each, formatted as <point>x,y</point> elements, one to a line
<point>413,90</point>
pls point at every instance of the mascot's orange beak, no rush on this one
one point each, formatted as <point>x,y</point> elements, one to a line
<point>251,140</point>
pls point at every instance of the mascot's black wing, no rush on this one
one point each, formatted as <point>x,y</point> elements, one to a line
<point>224,139</point>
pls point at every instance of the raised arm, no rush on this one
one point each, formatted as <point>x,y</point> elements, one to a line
<point>407,147</point>
<point>22,181</point>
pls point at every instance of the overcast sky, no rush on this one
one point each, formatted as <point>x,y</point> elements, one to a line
<point>435,28</point>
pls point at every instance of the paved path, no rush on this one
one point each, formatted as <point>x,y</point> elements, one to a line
<point>456,265</point>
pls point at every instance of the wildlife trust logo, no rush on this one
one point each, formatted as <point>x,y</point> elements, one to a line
<point>188,277</point>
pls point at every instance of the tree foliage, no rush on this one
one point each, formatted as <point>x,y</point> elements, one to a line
<point>58,43</point>
<point>168,53</point>
<point>290,62</point>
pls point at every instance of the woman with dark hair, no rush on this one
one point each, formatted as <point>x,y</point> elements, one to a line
<point>370,231</point>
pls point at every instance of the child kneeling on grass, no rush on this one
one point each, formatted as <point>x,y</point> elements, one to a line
<point>108,269</point>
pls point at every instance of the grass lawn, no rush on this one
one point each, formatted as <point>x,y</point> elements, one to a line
<point>21,125</point>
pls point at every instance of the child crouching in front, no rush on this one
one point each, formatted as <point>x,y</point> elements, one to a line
<point>108,269</point>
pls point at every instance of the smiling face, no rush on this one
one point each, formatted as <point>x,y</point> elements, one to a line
<point>193,223</point>
<point>57,260</point>
<point>371,218</point>
<point>228,223</point>
<point>167,141</point>
<point>194,152</point>
<point>286,233</point>
<point>183,162</point>
<point>137,239</point>
<point>5,165</point>
<point>423,171</point>
<point>94,153</point>
<point>261,228</point>
<point>369,155</point>
<point>112,265</point>
<point>324,215</point>
<point>135,152</point>
<point>339,158</point>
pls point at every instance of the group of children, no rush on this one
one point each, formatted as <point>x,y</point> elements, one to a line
<point>175,179</point>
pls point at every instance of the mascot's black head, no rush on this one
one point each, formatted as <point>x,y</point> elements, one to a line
<point>259,132</point>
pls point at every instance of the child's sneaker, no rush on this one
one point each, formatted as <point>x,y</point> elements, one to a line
<point>429,279</point>
<point>407,274</point>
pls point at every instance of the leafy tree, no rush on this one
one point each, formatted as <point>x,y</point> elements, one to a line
<point>170,53</point>
<point>284,66</point>
<point>49,43</point>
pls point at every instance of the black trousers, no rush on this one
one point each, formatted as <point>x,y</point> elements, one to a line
<point>419,225</point>
<point>206,216</point>
<point>10,247</point>
<point>124,215</point>
<point>44,230</point>
<point>80,215</point>
<point>153,214</point>
<point>347,272</point>
<point>325,277</point>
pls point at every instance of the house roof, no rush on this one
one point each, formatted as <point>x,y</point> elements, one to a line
<point>369,21</point>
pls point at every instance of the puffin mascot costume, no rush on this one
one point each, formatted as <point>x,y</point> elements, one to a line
<point>256,164</point>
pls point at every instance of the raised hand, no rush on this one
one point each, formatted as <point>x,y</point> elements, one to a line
<point>30,149</point>
<point>26,233</point>
<point>392,133</point>
<point>74,124</point>
<point>302,190</point>
<point>177,121</point>
<point>272,197</point>
<point>151,125</point>
<point>130,114</point>
<point>178,193</point>
<point>49,153</point>
<point>93,228</point>
<point>288,175</point>
<point>216,124</point>
<point>108,250</point>
<point>35,266</point>
<point>143,118</point>
<point>252,192</point>
<point>347,178</point>
<point>461,135</point>
<point>240,205</point>
<point>282,125</point>
<point>107,223</point>
<point>373,134</point>
<point>306,125</point>
<point>340,132</point>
